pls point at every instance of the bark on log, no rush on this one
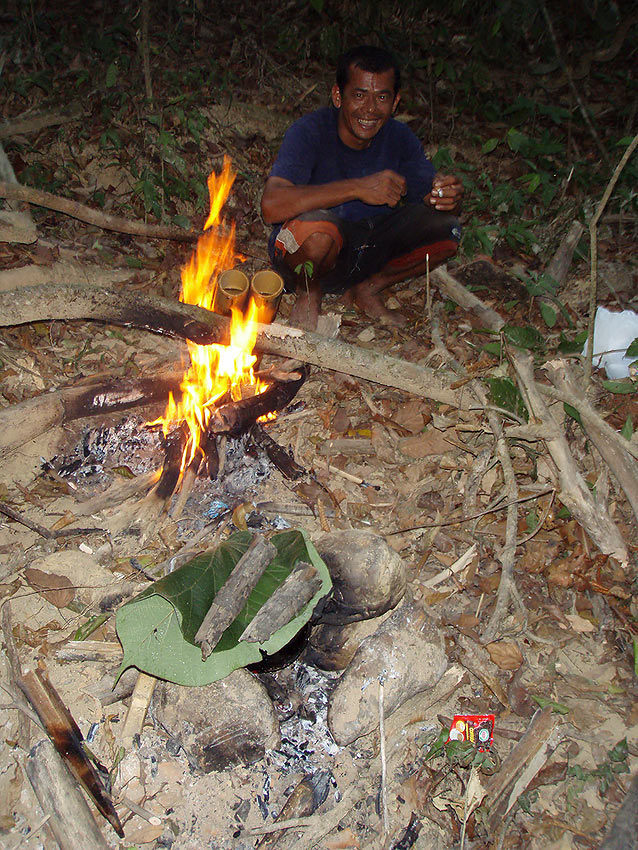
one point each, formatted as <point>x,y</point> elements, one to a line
<point>71,821</point>
<point>285,603</point>
<point>559,264</point>
<point>233,594</point>
<point>25,421</point>
<point>15,192</point>
<point>466,299</point>
<point>237,416</point>
<point>74,301</point>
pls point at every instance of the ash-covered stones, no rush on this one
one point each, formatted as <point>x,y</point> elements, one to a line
<point>230,722</point>
<point>407,652</point>
<point>368,577</point>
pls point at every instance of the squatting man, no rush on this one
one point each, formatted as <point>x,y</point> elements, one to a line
<point>355,203</point>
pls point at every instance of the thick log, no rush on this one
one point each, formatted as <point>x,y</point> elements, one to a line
<point>285,603</point>
<point>15,192</point>
<point>132,309</point>
<point>67,740</point>
<point>22,422</point>
<point>233,594</point>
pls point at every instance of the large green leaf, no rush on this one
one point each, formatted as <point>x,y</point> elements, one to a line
<point>525,337</point>
<point>158,627</point>
<point>504,393</point>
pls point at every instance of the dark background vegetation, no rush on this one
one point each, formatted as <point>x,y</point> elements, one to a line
<point>484,87</point>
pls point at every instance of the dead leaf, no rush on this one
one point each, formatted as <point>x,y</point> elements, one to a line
<point>56,589</point>
<point>505,654</point>
<point>431,442</point>
<point>580,624</point>
<point>346,838</point>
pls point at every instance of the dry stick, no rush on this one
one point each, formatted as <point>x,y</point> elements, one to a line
<point>573,492</point>
<point>71,821</point>
<point>570,79</point>
<point>232,596</point>
<point>133,309</point>
<point>16,672</point>
<point>15,192</point>
<point>16,516</point>
<point>593,224</point>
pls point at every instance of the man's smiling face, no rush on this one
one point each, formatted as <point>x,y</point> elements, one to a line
<point>365,105</point>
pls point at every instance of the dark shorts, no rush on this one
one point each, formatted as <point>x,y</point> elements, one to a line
<point>399,239</point>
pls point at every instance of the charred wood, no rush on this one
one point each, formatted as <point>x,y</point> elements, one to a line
<point>173,451</point>
<point>236,417</point>
<point>286,464</point>
<point>67,740</point>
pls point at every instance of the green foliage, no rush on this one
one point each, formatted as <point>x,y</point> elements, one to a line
<point>158,627</point>
<point>627,429</point>
<point>461,753</point>
<point>524,337</point>
<point>544,702</point>
<point>623,386</point>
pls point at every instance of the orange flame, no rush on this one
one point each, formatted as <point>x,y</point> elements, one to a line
<point>215,369</point>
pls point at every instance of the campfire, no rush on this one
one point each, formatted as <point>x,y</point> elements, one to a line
<point>220,392</point>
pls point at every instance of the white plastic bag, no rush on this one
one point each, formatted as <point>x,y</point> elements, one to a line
<point>614,333</point>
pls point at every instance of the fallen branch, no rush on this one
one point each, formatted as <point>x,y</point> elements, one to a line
<point>133,309</point>
<point>286,602</point>
<point>613,450</point>
<point>25,123</point>
<point>70,821</point>
<point>16,192</point>
<point>573,492</point>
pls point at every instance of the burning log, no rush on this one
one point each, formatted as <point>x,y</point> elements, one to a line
<point>233,594</point>
<point>236,417</point>
<point>22,422</point>
<point>173,452</point>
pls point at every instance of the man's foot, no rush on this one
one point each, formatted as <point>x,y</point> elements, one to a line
<point>372,305</point>
<point>305,311</point>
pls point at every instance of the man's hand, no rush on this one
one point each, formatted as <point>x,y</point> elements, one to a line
<point>384,187</point>
<point>446,193</point>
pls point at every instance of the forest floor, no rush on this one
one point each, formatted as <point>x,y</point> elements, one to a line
<point>423,475</point>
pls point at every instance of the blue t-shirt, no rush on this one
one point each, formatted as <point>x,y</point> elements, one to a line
<point>312,153</point>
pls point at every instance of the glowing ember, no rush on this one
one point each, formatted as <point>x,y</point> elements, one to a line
<point>216,370</point>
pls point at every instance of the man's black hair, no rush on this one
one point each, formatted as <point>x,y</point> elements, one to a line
<point>369,58</point>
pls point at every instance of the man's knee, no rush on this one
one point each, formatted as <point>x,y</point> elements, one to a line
<point>319,248</point>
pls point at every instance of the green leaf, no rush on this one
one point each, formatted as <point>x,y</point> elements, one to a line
<point>557,707</point>
<point>134,263</point>
<point>622,387</point>
<point>572,346</point>
<point>182,221</point>
<point>489,145</point>
<point>627,429</point>
<point>515,139</point>
<point>571,411</point>
<point>157,628</point>
<point>525,337</point>
<point>632,351</point>
<point>548,313</point>
<point>504,393</point>
<point>493,348</point>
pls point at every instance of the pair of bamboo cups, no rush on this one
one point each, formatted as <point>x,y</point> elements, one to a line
<point>233,290</point>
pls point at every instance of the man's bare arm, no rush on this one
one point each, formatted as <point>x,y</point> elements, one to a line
<point>283,200</point>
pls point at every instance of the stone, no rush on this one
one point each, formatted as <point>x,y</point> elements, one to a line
<point>407,651</point>
<point>333,647</point>
<point>228,723</point>
<point>368,577</point>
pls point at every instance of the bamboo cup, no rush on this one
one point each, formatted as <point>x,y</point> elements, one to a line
<point>231,291</point>
<point>266,289</point>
